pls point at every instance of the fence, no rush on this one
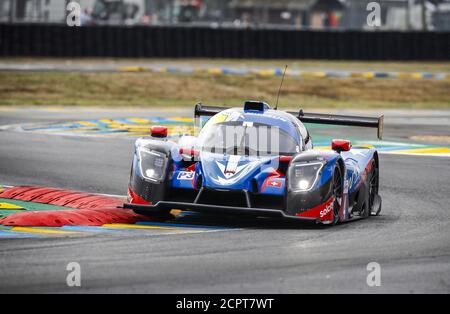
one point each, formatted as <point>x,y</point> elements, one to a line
<point>182,42</point>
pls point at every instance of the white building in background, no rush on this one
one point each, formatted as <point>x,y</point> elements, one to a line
<point>50,11</point>
<point>54,11</point>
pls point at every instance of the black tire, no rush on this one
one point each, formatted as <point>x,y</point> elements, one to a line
<point>365,209</point>
<point>337,193</point>
<point>372,191</point>
<point>374,183</point>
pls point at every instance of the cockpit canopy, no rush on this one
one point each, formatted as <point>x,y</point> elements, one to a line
<point>244,133</point>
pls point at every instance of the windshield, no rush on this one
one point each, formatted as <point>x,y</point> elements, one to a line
<point>247,139</point>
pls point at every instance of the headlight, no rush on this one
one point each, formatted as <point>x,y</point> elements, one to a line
<point>303,176</point>
<point>152,164</point>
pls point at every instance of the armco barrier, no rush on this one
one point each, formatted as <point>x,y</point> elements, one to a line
<point>181,42</point>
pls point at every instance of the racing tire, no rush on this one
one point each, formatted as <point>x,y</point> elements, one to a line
<point>374,198</point>
<point>365,209</point>
<point>372,192</point>
<point>337,194</point>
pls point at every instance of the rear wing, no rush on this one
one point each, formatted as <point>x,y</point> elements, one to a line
<point>334,119</point>
<point>318,118</point>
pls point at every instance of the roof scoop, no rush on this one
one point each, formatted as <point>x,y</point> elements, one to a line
<point>253,105</point>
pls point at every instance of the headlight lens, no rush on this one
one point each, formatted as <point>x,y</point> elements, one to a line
<point>152,164</point>
<point>303,176</point>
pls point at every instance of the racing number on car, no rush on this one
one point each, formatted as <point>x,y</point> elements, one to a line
<point>186,175</point>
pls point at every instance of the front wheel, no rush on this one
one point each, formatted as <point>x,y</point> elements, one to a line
<point>372,201</point>
<point>337,194</point>
<point>374,197</point>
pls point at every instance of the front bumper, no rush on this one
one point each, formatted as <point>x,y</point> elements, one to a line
<point>214,209</point>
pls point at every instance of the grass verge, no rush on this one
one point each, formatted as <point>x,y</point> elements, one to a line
<point>164,89</point>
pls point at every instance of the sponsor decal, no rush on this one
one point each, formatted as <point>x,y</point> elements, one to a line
<point>274,180</point>
<point>275,184</point>
<point>324,211</point>
<point>327,210</point>
<point>219,118</point>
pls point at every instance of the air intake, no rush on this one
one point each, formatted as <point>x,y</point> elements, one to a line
<point>252,105</point>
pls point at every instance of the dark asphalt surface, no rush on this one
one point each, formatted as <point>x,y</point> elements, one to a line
<point>411,240</point>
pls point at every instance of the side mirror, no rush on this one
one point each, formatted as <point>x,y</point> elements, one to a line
<point>158,131</point>
<point>341,145</point>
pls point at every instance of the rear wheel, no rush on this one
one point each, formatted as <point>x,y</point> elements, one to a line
<point>337,194</point>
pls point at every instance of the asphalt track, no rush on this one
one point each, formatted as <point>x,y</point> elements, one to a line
<point>411,240</point>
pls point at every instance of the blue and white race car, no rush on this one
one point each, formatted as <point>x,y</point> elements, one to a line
<point>259,162</point>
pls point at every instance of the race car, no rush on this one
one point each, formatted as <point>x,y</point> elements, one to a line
<point>257,161</point>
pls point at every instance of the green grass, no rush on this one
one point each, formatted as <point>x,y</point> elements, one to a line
<point>164,89</point>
